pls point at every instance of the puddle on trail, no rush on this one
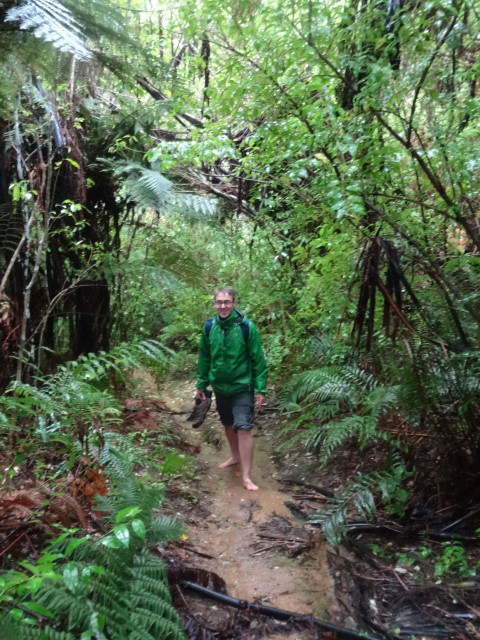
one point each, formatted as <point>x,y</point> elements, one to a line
<point>302,585</point>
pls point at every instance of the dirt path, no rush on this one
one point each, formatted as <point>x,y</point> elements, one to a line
<point>231,517</point>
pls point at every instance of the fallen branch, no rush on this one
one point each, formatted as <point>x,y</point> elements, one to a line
<point>411,532</point>
<point>278,614</point>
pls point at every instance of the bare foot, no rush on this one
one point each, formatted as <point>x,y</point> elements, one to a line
<point>249,486</point>
<point>228,463</point>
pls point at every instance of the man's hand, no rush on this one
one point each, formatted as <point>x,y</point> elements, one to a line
<point>201,395</point>
<point>259,400</point>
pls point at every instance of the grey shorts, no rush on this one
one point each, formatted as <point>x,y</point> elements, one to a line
<point>236,410</point>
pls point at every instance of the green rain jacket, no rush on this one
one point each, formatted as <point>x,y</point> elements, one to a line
<point>227,362</point>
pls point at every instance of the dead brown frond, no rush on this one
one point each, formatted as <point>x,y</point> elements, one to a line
<point>277,534</point>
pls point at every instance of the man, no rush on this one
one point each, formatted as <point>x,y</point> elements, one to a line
<point>231,360</point>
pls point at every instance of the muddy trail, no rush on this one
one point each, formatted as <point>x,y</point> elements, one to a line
<point>225,529</point>
<point>244,543</point>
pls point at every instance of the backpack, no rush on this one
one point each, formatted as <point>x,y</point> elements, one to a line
<point>243,321</point>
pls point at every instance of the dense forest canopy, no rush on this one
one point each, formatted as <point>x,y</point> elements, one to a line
<point>320,157</point>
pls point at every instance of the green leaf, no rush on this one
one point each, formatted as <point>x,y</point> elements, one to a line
<point>38,608</point>
<point>73,544</point>
<point>74,163</point>
<point>71,576</point>
<point>128,512</point>
<point>48,558</point>
<point>112,543</point>
<point>34,585</point>
<point>122,534</point>
<point>138,527</point>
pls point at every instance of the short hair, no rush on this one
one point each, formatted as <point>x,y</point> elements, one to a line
<point>228,290</point>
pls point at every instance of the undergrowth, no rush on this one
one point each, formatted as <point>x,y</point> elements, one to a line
<point>103,581</point>
<point>344,401</point>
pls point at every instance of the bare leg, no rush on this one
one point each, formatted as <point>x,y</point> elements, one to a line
<point>233,442</point>
<point>245,448</point>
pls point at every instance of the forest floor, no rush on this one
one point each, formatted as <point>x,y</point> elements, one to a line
<point>411,576</point>
<point>256,546</point>
<point>249,542</point>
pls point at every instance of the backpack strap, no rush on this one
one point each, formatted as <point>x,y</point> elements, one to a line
<point>245,328</point>
<point>208,325</point>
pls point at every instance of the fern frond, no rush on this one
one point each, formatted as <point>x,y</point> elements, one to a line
<point>49,20</point>
<point>45,633</point>
<point>317,385</point>
<point>117,457</point>
<point>164,528</point>
<point>11,229</point>
<point>126,586</point>
<point>96,368</point>
<point>325,352</point>
<point>147,188</point>
<point>358,499</point>
<point>196,208</point>
<point>334,434</point>
<point>132,491</point>
<point>140,634</point>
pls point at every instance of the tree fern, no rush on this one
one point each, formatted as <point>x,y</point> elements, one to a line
<point>145,187</point>
<point>52,22</point>
<point>195,208</point>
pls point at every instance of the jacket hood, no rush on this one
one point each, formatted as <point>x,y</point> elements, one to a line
<point>236,317</point>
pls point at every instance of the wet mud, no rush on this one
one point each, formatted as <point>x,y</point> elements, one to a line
<point>225,528</point>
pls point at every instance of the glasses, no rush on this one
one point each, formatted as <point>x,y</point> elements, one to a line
<point>223,303</point>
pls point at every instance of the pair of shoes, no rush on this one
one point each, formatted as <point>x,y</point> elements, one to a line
<point>200,410</point>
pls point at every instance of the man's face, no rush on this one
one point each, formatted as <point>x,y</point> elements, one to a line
<point>224,305</point>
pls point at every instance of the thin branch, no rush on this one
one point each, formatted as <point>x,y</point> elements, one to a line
<point>425,73</point>
<point>432,177</point>
<point>323,58</point>
<point>283,90</point>
<point>157,94</point>
<point>13,259</point>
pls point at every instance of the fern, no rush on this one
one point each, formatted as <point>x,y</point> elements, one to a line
<point>358,499</point>
<point>45,633</point>
<point>334,434</point>
<point>130,492</point>
<point>339,401</point>
<point>113,590</point>
<point>52,22</point>
<point>163,528</point>
<point>11,229</point>
<point>195,208</point>
<point>118,456</point>
<point>98,367</point>
<point>63,402</point>
<point>145,187</point>
<point>75,408</point>
<point>149,189</point>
